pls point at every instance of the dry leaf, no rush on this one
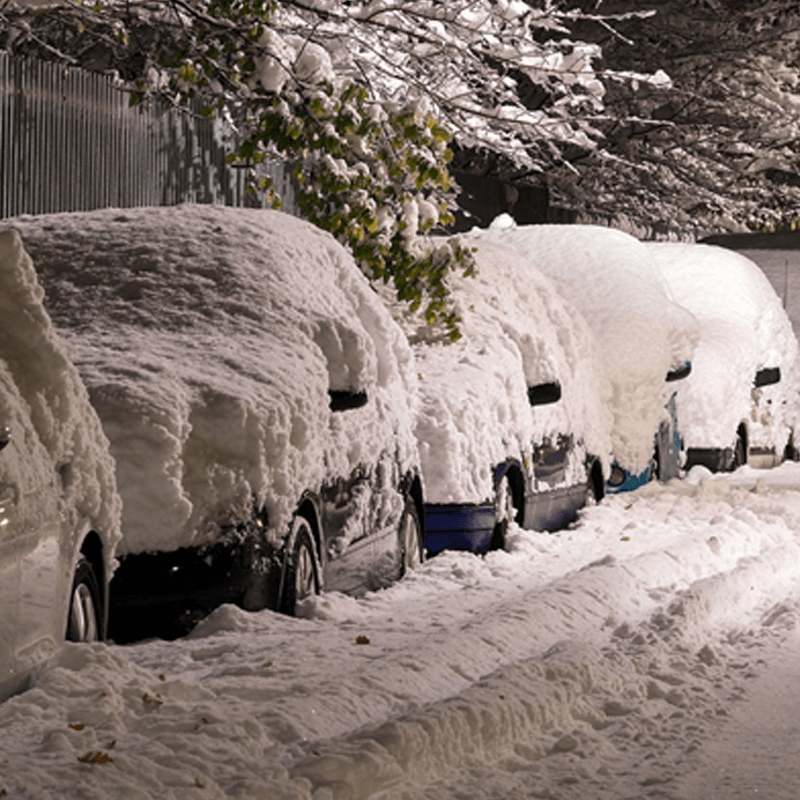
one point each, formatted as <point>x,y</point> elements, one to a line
<point>95,758</point>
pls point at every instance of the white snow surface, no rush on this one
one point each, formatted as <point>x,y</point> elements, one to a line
<point>743,327</point>
<point>208,338</point>
<point>611,278</point>
<point>602,661</point>
<point>516,332</point>
<point>49,408</point>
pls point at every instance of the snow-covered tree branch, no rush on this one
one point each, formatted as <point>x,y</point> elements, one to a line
<point>364,97</point>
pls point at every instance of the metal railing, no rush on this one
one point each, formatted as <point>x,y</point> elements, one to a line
<point>71,141</point>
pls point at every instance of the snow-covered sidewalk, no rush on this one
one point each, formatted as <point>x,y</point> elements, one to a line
<point>595,662</point>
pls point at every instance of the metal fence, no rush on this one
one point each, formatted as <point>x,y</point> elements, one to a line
<point>70,141</point>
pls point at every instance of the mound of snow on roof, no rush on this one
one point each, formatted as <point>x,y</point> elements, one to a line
<point>517,332</point>
<point>45,404</point>
<point>743,327</point>
<point>611,278</point>
<point>209,338</point>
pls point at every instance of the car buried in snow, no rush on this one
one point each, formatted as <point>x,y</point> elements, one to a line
<point>513,423</point>
<point>739,406</point>
<point>256,396</point>
<point>59,506</point>
<point>645,338</point>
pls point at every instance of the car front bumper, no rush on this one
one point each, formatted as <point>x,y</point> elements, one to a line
<point>165,594</point>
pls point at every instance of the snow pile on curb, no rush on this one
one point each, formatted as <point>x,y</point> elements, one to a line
<point>596,658</point>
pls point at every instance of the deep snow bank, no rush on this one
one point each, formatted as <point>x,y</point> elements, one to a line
<point>592,662</point>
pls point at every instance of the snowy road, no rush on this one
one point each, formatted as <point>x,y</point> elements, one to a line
<point>613,660</point>
<point>755,753</point>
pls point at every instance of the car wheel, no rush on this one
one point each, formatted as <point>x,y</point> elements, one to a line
<point>411,545</point>
<point>301,579</point>
<point>505,510</point>
<point>83,623</point>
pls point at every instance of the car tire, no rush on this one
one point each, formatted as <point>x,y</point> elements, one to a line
<point>300,574</point>
<point>411,545</point>
<point>504,510</point>
<point>83,622</point>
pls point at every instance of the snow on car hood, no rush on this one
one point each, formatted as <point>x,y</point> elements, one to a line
<point>611,278</point>
<point>743,328</point>
<point>47,405</point>
<point>209,338</point>
<point>517,332</point>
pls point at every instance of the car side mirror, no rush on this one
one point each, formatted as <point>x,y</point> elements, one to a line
<point>345,399</point>
<point>5,436</point>
<point>681,372</point>
<point>767,376</point>
<point>544,393</point>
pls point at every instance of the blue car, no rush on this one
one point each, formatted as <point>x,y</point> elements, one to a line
<point>513,422</point>
<point>642,332</point>
<point>667,449</point>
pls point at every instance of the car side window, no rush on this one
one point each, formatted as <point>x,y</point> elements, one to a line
<point>351,363</point>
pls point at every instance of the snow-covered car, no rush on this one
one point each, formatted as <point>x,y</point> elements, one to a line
<point>59,506</point>
<point>645,338</point>
<point>256,394</point>
<point>739,405</point>
<point>513,421</point>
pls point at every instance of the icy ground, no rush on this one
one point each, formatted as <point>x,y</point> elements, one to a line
<point>627,657</point>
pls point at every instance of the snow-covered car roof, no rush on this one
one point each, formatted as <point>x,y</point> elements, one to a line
<point>48,407</point>
<point>611,278</point>
<point>209,339</point>
<point>743,328</point>
<point>517,332</point>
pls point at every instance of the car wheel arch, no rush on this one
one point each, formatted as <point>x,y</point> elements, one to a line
<point>416,493</point>
<point>516,480</point>
<point>513,473</point>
